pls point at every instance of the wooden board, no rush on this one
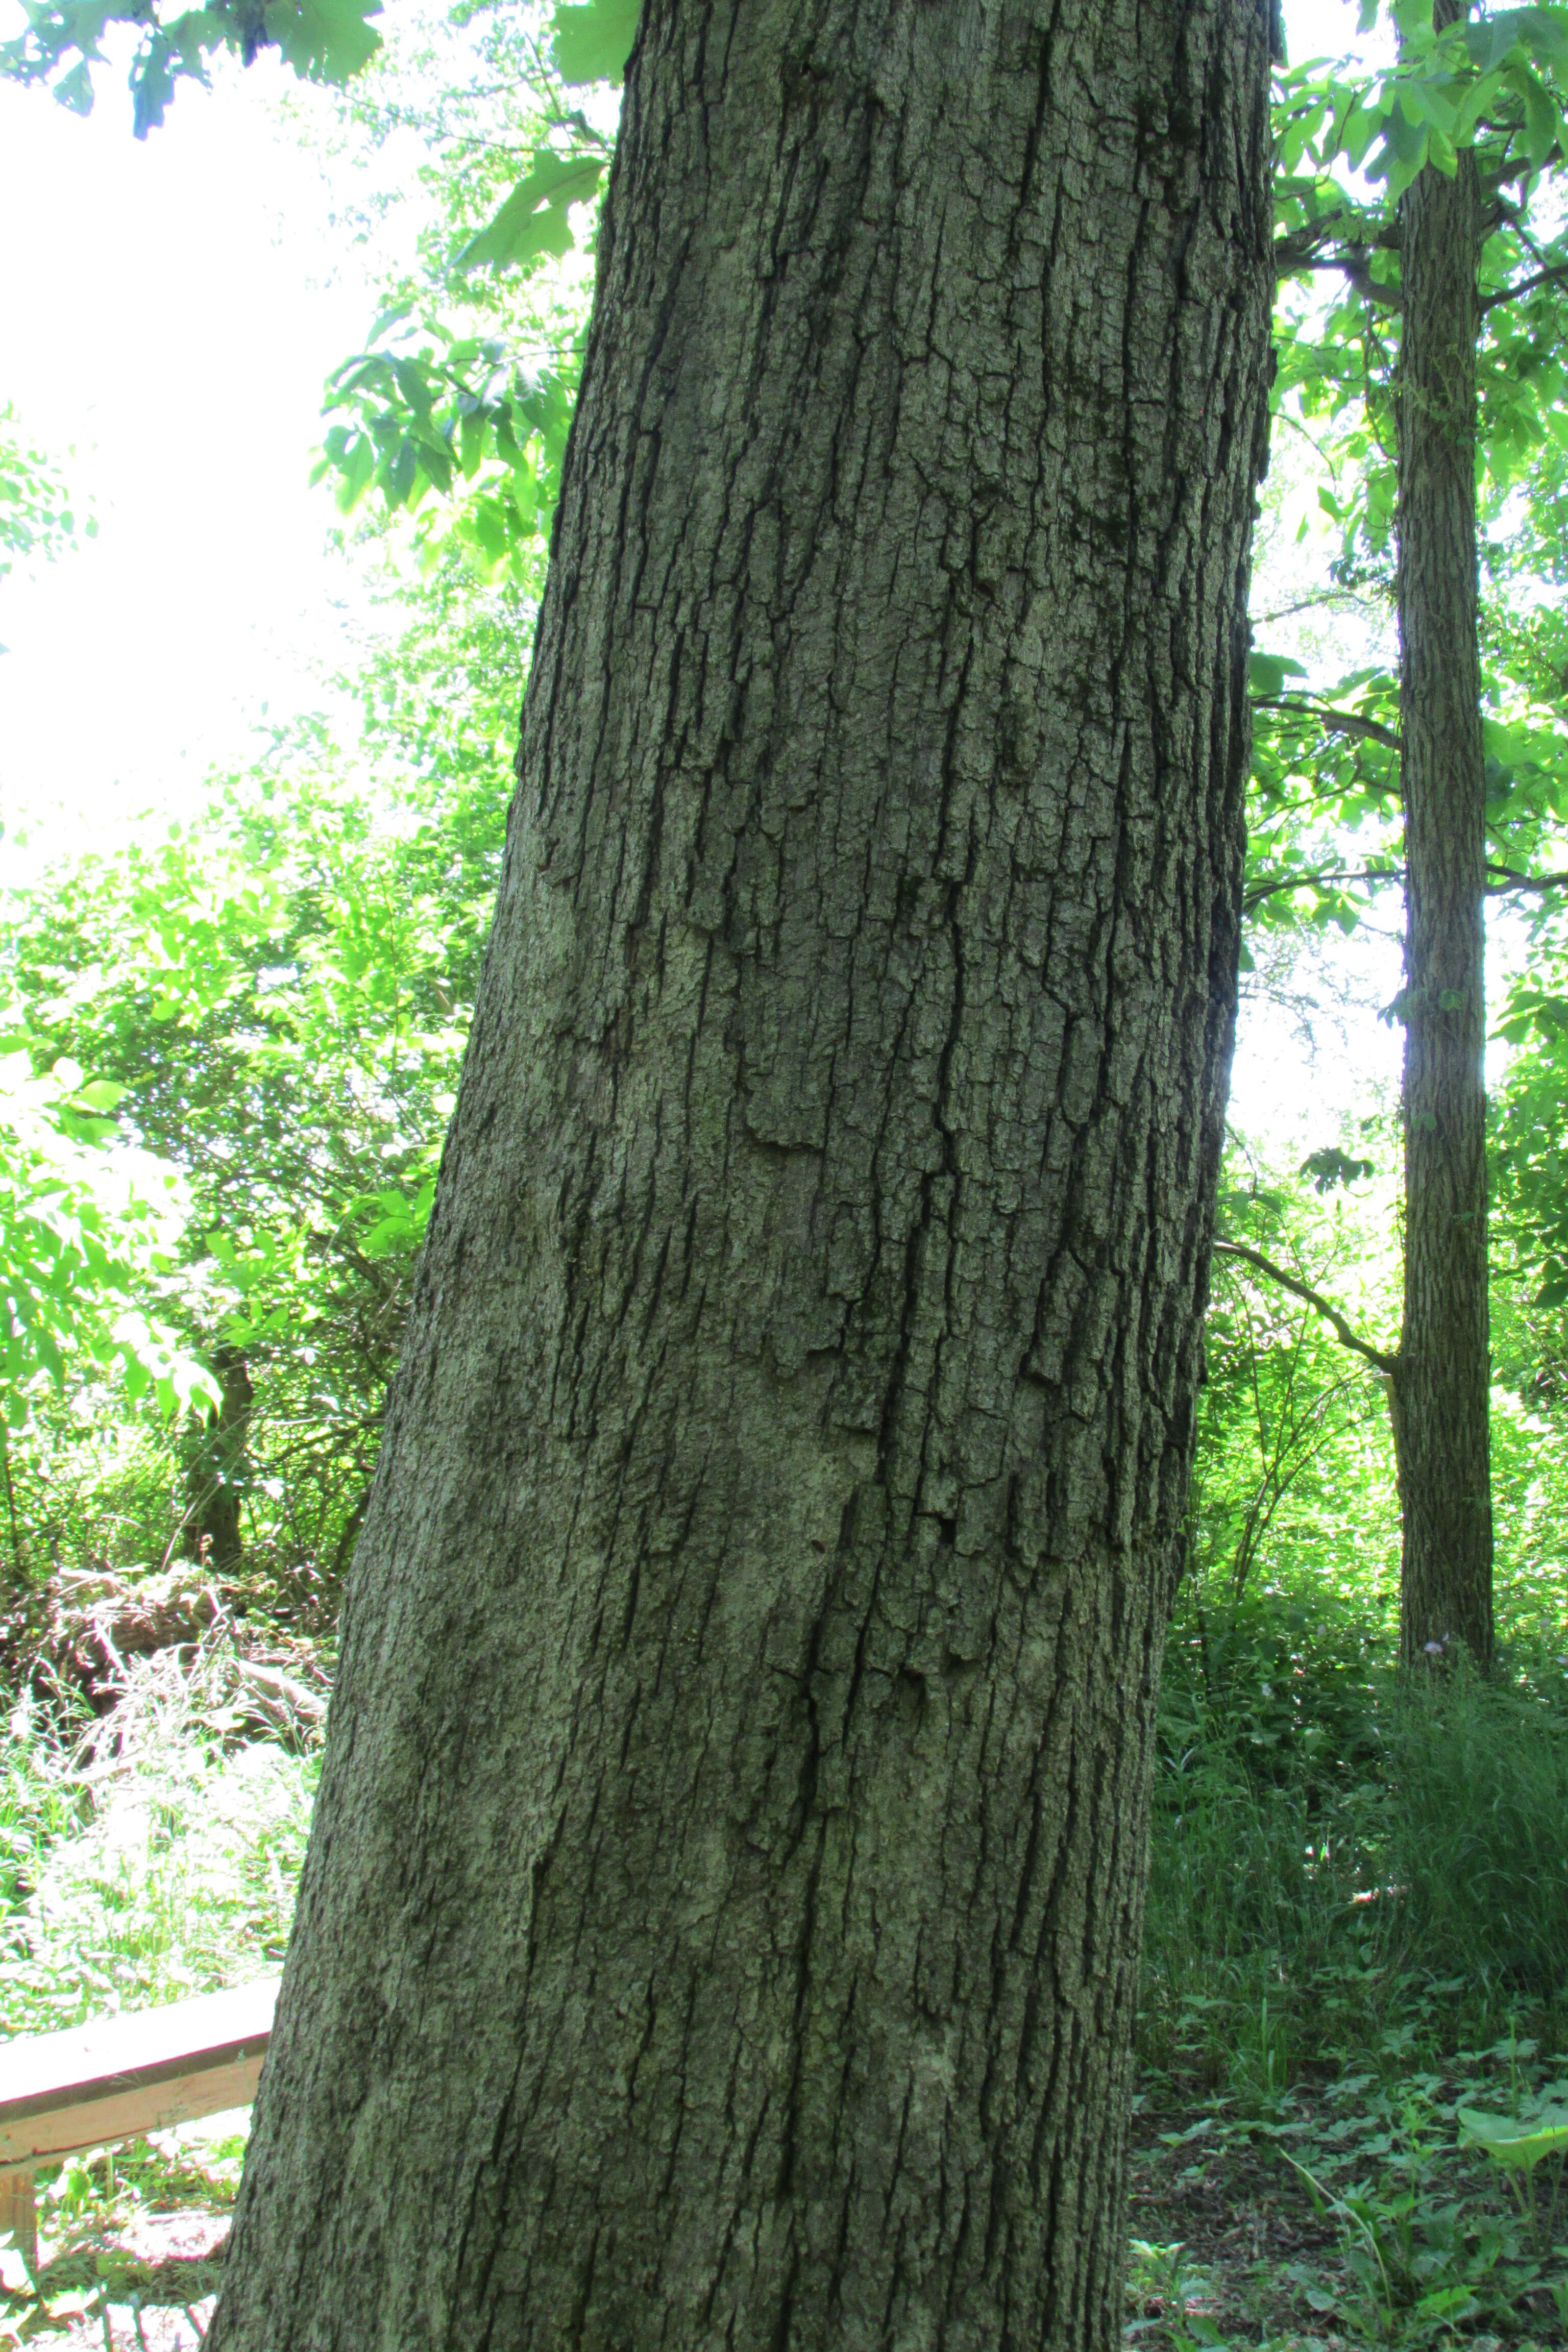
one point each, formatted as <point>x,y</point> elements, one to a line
<point>121,2077</point>
<point>17,2220</point>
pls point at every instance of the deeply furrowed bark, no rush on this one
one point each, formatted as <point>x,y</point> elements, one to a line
<point>1442,1390</point>
<point>720,1922</point>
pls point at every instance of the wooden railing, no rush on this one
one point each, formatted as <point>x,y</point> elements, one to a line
<point>121,2077</point>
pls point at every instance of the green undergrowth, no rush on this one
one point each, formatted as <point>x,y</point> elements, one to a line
<point>1366,2209</point>
<point>1355,1969</point>
<point>125,2234</point>
<point>1355,1974</point>
<point>1339,1857</point>
<point>145,1856</point>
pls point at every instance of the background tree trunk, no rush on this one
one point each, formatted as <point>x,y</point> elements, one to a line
<point>722,1920</point>
<point>1442,1389</point>
<point>217,1468</point>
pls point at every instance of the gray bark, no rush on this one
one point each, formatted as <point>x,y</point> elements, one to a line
<point>1442,1385</point>
<point>720,1923</point>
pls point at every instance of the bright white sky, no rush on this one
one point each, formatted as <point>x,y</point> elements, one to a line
<point>168,310</point>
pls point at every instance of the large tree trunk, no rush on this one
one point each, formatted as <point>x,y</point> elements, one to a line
<point>720,1924</point>
<point>1442,1387</point>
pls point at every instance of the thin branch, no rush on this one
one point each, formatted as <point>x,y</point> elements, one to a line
<point>1525,286</point>
<point>1296,246</point>
<point>1513,880</point>
<point>1338,722</point>
<point>1333,599</point>
<point>1261,890</point>
<point>1509,173</point>
<point>1296,251</point>
<point>1303,1290</point>
<point>1353,265</point>
<point>1336,792</point>
<point>18,1570</point>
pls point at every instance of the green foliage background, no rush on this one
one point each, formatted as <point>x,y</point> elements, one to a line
<point>228,1052</point>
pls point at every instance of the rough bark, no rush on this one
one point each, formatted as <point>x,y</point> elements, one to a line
<point>1442,1386</point>
<point>720,1922</point>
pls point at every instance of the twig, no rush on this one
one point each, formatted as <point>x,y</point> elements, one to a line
<point>1261,890</point>
<point>186,1515</point>
<point>1525,286</point>
<point>1354,265</point>
<point>1338,722</point>
<point>17,1566</point>
<point>1336,599</point>
<point>1326,1309</point>
<point>1513,880</point>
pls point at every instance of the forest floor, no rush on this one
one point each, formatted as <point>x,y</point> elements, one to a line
<point>135,2267</point>
<point>1299,2181</point>
<point>1400,2242</point>
<point>1346,2215</point>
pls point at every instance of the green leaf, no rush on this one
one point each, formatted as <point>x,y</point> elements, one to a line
<point>75,90</point>
<point>400,474</point>
<point>532,221</point>
<point>1400,159</point>
<point>594,42</point>
<point>1362,127</point>
<point>437,464</point>
<point>414,384</point>
<point>1331,1166</point>
<point>1539,114</point>
<point>358,467</point>
<point>1266,673</point>
<point>325,40</point>
<point>151,86</point>
<point>1489,41</point>
<point>1441,152</point>
<point>1515,2141</point>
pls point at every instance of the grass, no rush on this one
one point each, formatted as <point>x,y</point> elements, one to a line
<point>1477,1830</point>
<point>147,1857</point>
<point>1337,1857</point>
<point>1357,1934</point>
<point>1356,2210</point>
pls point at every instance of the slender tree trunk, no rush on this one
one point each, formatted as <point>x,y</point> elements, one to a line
<point>18,1577</point>
<point>1442,1383</point>
<point>217,1470</point>
<point>720,1924</point>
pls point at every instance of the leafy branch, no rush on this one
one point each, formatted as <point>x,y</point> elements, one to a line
<point>322,40</point>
